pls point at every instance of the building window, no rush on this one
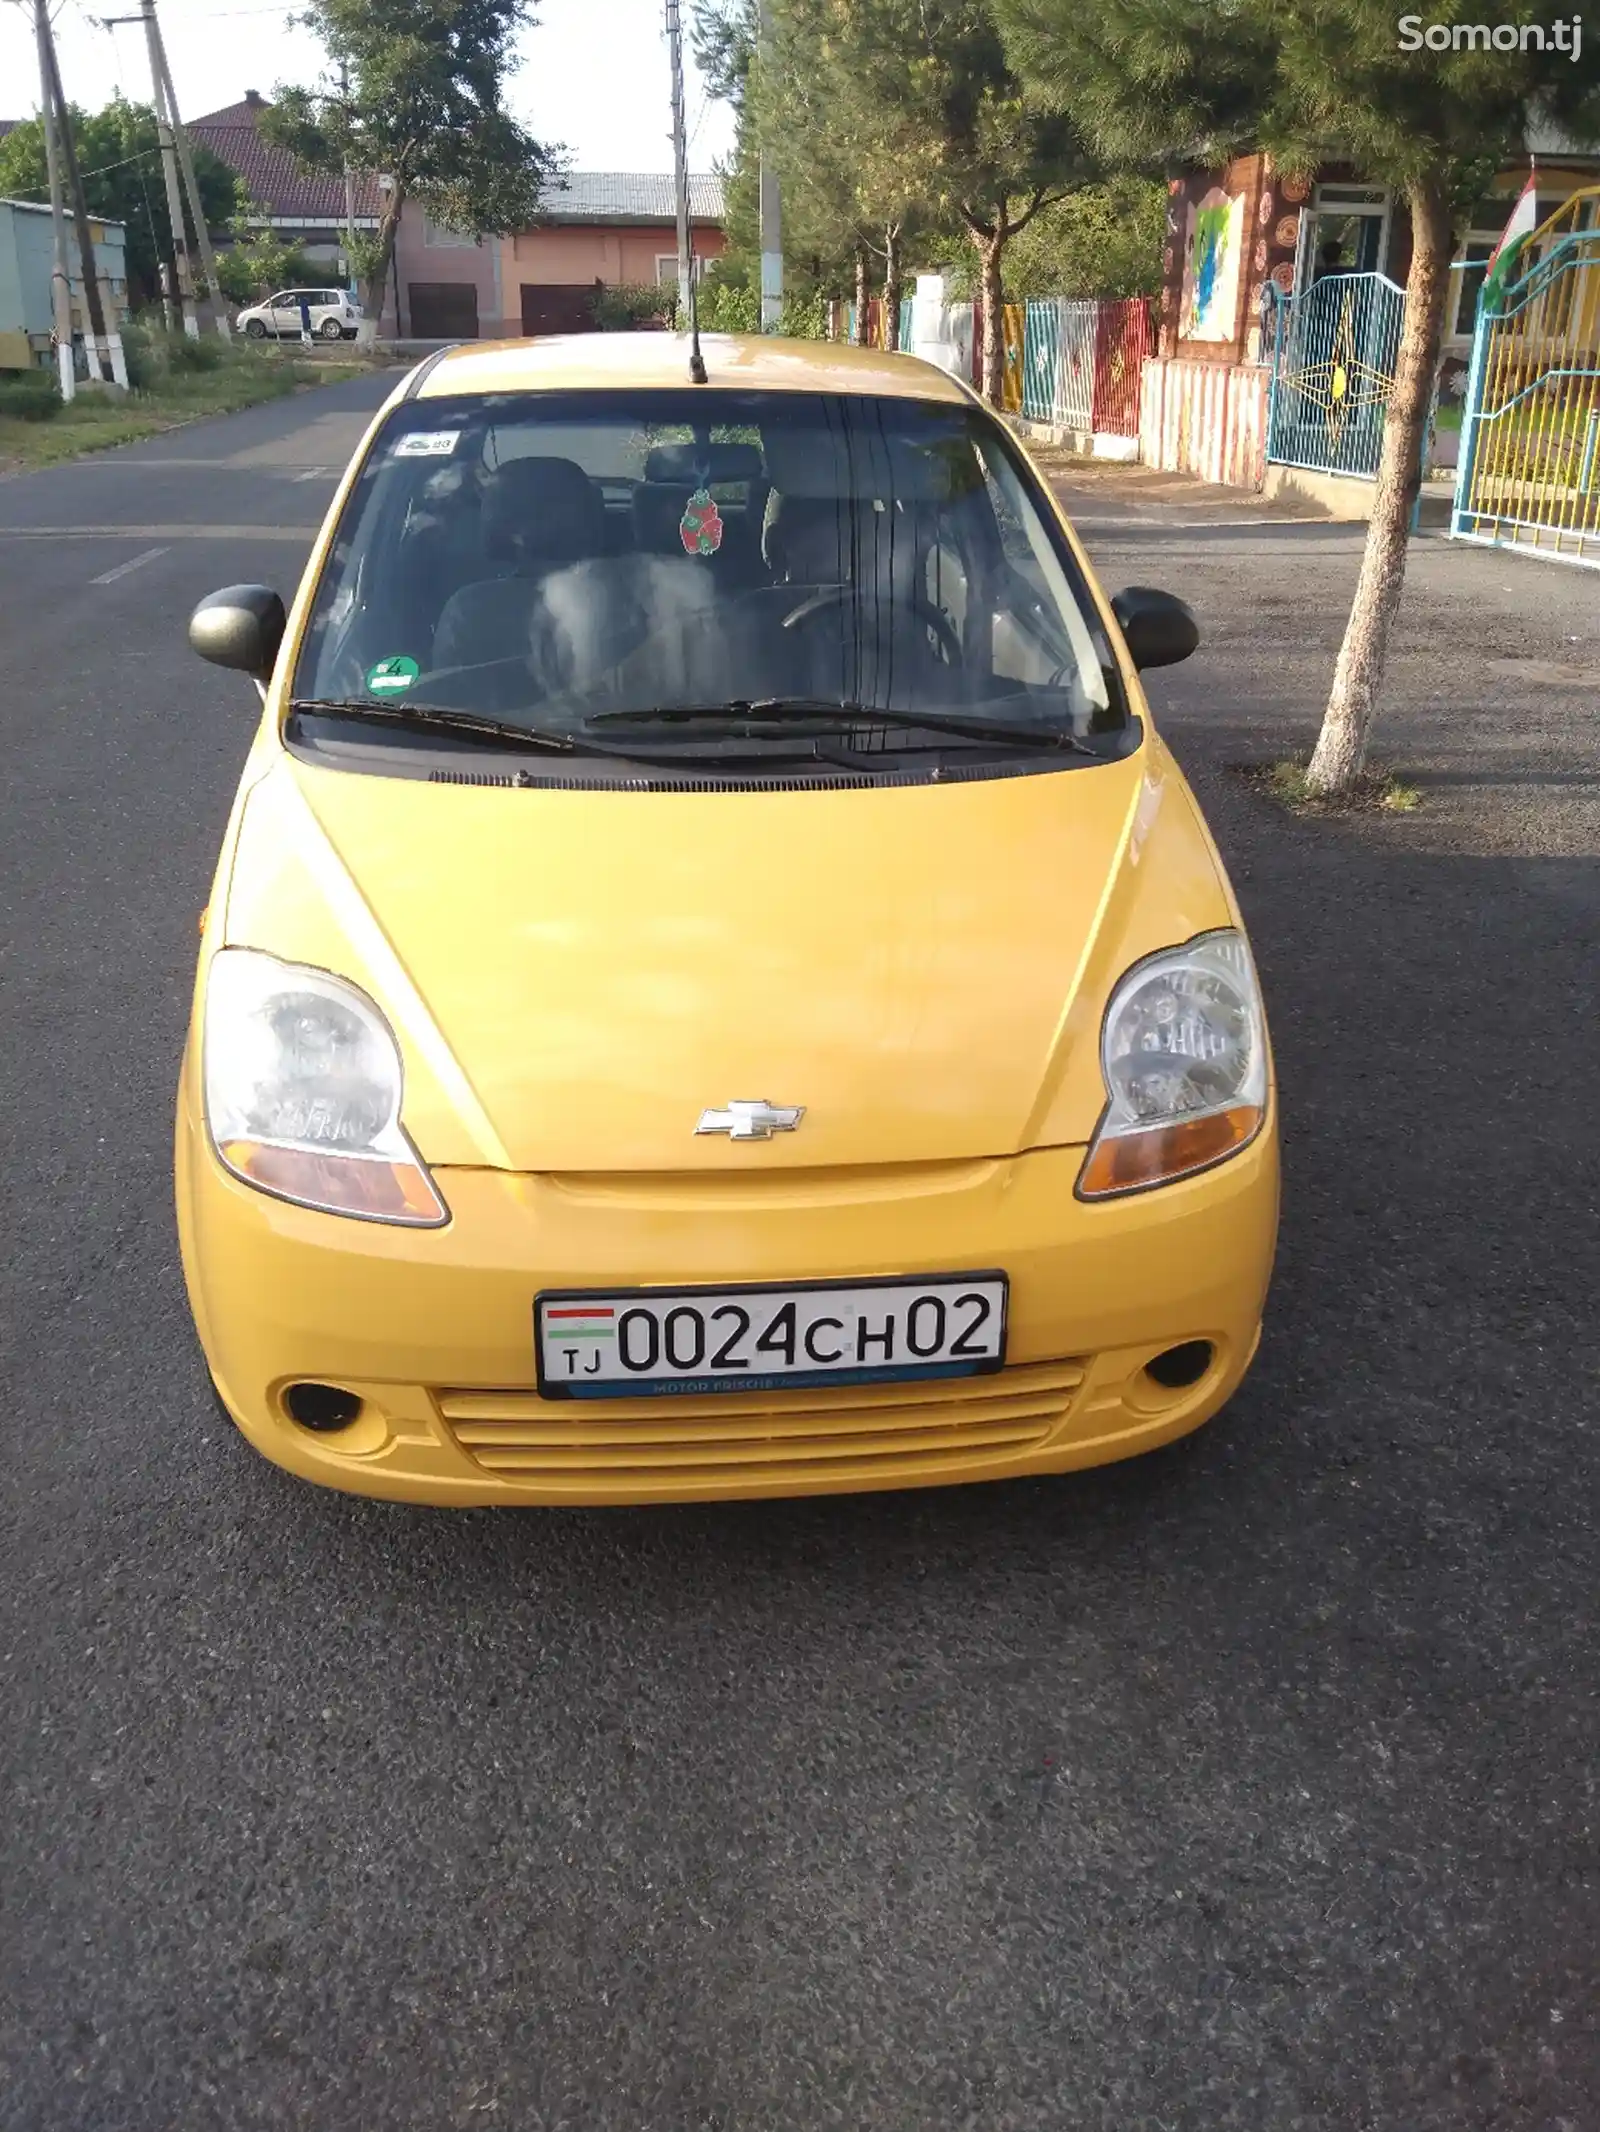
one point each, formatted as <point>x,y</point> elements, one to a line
<point>438,237</point>
<point>1472,267</point>
<point>1344,231</point>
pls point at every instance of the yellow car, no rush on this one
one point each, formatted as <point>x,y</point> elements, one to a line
<point>714,985</point>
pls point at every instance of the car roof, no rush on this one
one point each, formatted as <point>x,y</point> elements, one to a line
<point>625,361</point>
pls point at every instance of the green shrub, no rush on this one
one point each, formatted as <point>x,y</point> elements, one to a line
<point>626,306</point>
<point>805,318</point>
<point>29,396</point>
<point>139,356</point>
<point>184,354</point>
<point>724,307</point>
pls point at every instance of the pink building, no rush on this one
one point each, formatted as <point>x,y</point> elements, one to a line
<point>600,229</point>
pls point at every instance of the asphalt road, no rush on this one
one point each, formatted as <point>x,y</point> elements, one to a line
<point>1249,1785</point>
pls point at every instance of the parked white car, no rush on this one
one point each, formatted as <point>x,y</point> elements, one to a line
<point>334,315</point>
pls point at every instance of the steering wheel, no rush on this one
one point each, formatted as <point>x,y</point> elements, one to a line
<point>934,618</point>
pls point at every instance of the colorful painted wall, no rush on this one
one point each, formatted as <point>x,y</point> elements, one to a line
<point>1228,234</point>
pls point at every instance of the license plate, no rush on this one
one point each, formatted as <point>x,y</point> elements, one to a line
<point>642,1342</point>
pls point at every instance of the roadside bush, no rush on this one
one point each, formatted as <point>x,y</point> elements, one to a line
<point>805,318</point>
<point>138,355</point>
<point>625,307</point>
<point>29,396</point>
<point>724,307</point>
<point>184,354</point>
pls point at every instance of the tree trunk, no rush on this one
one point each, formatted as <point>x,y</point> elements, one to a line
<point>859,335</point>
<point>1341,748</point>
<point>990,247</point>
<point>891,286</point>
<point>377,282</point>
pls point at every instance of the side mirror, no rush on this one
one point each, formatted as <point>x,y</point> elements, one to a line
<point>241,626</point>
<point>1159,628</point>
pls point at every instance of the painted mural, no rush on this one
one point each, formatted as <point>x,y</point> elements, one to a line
<point>1212,259</point>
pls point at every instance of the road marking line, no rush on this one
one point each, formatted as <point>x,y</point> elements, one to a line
<point>313,473</point>
<point>169,533</point>
<point>135,562</point>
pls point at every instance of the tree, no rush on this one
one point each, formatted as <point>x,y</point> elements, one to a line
<point>414,93</point>
<point>723,34</point>
<point>120,153</point>
<point>821,241</point>
<point>1197,80</point>
<point>835,108</point>
<point>1103,240</point>
<point>913,106</point>
<point>256,264</point>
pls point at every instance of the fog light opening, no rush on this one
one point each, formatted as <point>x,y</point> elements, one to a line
<point>323,1407</point>
<point>1176,1368</point>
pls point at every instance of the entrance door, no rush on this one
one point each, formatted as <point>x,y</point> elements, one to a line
<point>443,310</point>
<point>557,307</point>
<point>1345,232</point>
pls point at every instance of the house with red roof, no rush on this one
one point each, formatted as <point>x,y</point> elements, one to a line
<point>308,212</point>
<point>598,229</point>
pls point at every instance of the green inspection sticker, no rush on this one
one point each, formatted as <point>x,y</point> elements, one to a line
<point>391,677</point>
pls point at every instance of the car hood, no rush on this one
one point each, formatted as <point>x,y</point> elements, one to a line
<point>575,975</point>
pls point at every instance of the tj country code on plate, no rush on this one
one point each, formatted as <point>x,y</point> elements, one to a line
<point>694,1341</point>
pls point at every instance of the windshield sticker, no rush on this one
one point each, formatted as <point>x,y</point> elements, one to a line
<point>428,444</point>
<point>392,677</point>
<point>700,527</point>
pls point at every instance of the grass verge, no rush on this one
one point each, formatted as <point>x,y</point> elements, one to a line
<point>1379,791</point>
<point>99,418</point>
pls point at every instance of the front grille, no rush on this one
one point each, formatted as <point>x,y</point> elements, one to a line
<point>807,1436</point>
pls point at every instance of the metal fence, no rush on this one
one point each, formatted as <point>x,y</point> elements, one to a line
<point>1076,363</point>
<point>1334,350</point>
<point>1082,363</point>
<point>874,334</point>
<point>1529,469</point>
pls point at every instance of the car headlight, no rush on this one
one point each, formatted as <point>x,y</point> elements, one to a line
<point>302,1092</point>
<point>1184,1054</point>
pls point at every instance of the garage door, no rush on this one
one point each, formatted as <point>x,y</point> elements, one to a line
<point>443,310</point>
<point>558,307</point>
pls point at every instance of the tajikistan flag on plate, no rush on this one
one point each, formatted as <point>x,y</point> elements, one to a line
<point>1502,268</point>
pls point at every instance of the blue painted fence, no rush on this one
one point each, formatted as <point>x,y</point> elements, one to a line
<point>1334,350</point>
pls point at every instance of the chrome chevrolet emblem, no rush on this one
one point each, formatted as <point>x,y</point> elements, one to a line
<point>752,1121</point>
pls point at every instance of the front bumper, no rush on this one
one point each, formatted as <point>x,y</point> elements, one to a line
<point>433,1329</point>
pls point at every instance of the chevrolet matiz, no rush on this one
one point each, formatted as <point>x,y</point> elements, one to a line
<point>714,985</point>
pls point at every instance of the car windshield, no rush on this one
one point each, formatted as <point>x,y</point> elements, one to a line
<point>561,561</point>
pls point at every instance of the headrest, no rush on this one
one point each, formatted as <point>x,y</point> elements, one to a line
<point>831,540</point>
<point>542,510</point>
<point>689,464</point>
<point>862,463</point>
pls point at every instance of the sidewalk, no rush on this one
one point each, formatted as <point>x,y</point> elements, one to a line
<point>1100,486</point>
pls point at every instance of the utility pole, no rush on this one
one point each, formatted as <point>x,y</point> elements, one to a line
<point>169,171</point>
<point>771,219</point>
<point>180,141</point>
<point>60,283</point>
<point>680,159</point>
<point>176,161</point>
<point>97,342</point>
<point>349,198</point>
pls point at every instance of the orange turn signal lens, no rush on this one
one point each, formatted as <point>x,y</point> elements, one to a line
<point>363,1185</point>
<point>1132,1161</point>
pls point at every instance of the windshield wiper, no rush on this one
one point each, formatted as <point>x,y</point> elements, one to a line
<point>778,710</point>
<point>426,718</point>
<point>461,725</point>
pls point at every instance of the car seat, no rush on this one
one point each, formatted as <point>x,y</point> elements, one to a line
<point>538,515</point>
